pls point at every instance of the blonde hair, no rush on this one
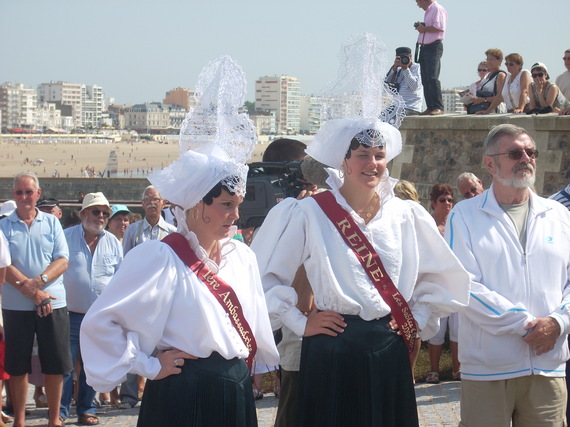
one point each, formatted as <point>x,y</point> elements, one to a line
<point>406,190</point>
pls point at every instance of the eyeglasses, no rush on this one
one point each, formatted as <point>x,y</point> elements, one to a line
<point>534,76</point>
<point>566,59</point>
<point>518,153</point>
<point>445,199</point>
<point>482,70</point>
<point>152,199</point>
<point>26,192</point>
<point>97,212</point>
<point>511,64</point>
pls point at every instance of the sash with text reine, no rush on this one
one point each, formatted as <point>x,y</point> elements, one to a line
<point>372,264</point>
<point>222,291</point>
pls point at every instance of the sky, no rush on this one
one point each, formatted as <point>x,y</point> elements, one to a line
<point>137,50</point>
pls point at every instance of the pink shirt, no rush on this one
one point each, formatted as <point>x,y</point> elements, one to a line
<point>435,16</point>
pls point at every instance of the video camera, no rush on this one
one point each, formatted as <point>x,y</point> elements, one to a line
<point>268,183</point>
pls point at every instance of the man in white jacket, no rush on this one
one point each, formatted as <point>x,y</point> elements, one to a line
<point>512,336</point>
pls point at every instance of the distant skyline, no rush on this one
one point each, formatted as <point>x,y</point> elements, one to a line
<point>137,50</point>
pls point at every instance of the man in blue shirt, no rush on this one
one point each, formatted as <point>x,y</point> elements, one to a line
<point>94,257</point>
<point>33,297</point>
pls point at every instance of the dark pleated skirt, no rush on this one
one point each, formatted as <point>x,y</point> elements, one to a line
<point>361,377</point>
<point>212,392</point>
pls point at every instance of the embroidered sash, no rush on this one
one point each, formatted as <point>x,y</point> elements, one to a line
<point>223,292</point>
<point>372,264</point>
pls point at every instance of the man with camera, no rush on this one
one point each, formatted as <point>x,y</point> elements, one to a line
<point>430,40</point>
<point>404,76</point>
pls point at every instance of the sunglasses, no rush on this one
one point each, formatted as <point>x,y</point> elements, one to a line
<point>517,154</point>
<point>511,64</point>
<point>481,70</point>
<point>534,76</point>
<point>97,212</point>
<point>152,199</point>
<point>26,192</point>
<point>445,199</point>
<point>471,191</point>
<point>566,59</point>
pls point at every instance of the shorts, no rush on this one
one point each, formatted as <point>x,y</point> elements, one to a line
<point>53,341</point>
<point>453,322</point>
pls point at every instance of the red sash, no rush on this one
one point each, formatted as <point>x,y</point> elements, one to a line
<point>220,289</point>
<point>372,264</point>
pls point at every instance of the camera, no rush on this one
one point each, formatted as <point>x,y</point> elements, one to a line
<point>268,183</point>
<point>404,59</point>
<point>417,24</point>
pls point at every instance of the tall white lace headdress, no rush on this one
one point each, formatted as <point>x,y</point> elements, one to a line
<point>216,139</point>
<point>359,104</point>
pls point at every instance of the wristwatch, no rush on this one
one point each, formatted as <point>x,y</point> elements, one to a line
<point>44,279</point>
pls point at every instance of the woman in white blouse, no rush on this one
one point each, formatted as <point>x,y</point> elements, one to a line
<point>355,367</point>
<point>190,330</point>
<point>515,90</point>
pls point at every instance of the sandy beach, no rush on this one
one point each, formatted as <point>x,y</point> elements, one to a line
<point>72,159</point>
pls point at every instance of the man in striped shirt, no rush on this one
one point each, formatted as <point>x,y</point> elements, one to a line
<point>405,77</point>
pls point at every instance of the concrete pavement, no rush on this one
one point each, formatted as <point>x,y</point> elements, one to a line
<point>438,405</point>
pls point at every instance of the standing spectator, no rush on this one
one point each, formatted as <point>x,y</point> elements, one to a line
<point>119,221</point>
<point>50,206</point>
<point>151,227</point>
<point>469,185</point>
<point>33,298</point>
<point>4,262</point>
<point>563,80</point>
<point>563,196</point>
<point>430,37</point>
<point>515,90</point>
<point>404,76</point>
<point>512,336</point>
<point>441,197</point>
<point>95,256</point>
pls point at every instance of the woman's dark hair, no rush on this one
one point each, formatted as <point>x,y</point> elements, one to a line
<point>439,190</point>
<point>216,191</point>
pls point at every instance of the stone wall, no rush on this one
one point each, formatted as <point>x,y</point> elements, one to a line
<point>437,149</point>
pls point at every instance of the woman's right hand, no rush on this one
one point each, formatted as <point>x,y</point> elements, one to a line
<point>324,322</point>
<point>170,362</point>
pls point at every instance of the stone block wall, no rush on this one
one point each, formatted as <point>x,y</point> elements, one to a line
<point>437,149</point>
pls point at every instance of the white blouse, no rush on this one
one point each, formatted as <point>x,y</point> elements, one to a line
<point>155,301</point>
<point>414,254</point>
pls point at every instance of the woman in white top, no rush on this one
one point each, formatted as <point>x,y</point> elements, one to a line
<point>355,368</point>
<point>515,90</point>
<point>198,374</point>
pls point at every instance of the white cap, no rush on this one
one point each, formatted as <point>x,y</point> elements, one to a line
<point>95,199</point>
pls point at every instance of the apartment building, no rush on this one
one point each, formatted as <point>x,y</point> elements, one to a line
<point>451,101</point>
<point>92,106</point>
<point>311,113</point>
<point>146,117</point>
<point>281,94</point>
<point>182,97</point>
<point>18,106</point>
<point>66,94</point>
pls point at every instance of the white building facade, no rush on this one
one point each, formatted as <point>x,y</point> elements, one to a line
<point>281,94</point>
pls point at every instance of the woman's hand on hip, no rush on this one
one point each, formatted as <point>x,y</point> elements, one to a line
<point>170,362</point>
<point>324,322</point>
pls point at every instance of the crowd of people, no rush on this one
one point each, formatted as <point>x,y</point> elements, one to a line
<point>174,311</point>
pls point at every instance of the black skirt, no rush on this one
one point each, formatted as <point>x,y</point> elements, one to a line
<point>212,392</point>
<point>362,377</point>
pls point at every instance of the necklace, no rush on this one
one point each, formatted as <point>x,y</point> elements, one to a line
<point>366,213</point>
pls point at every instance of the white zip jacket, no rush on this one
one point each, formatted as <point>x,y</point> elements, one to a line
<point>510,286</point>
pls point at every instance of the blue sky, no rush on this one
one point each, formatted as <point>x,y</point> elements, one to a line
<point>139,49</point>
